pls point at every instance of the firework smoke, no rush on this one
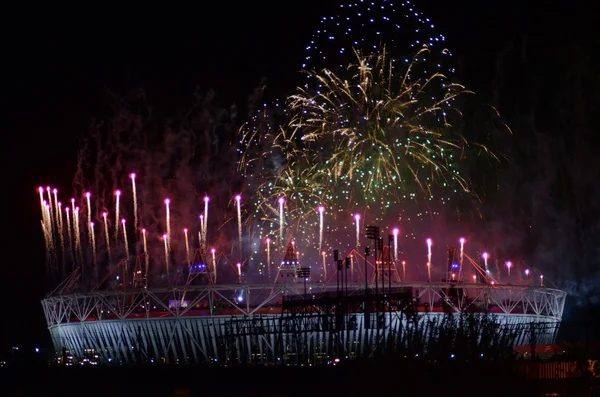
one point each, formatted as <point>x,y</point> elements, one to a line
<point>182,160</point>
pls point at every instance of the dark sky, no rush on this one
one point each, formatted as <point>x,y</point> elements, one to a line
<point>58,64</point>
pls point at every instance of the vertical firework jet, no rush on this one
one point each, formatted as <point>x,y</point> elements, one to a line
<point>357,222</point>
<point>205,222</point>
<point>42,206</point>
<point>429,244</point>
<point>165,238</point>
<point>146,256</point>
<point>395,232</point>
<point>168,222</point>
<point>214,261</point>
<point>281,220</point>
<point>61,236</point>
<point>126,275</point>
<point>106,236</point>
<point>78,249</point>
<point>238,200</point>
<point>485,261</point>
<point>89,209</point>
<point>55,202</point>
<point>89,217</point>
<point>45,224</point>
<point>50,225</point>
<point>460,258</point>
<point>117,205</point>
<point>187,247</point>
<point>94,259</point>
<point>135,204</point>
<point>269,258</point>
<point>125,240</point>
<point>50,210</point>
<point>321,211</point>
<point>56,211</point>
<point>69,234</point>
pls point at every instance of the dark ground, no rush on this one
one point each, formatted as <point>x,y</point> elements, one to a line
<point>481,379</point>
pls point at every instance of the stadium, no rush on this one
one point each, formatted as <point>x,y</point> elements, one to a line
<point>297,321</point>
<point>376,150</point>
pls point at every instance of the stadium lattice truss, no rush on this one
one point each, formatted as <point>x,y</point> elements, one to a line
<point>290,323</point>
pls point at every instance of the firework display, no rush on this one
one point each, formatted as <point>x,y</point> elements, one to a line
<point>375,141</point>
<point>371,25</point>
<point>371,142</point>
<point>61,243</point>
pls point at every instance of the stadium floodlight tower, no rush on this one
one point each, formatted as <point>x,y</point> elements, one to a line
<point>288,269</point>
<point>373,234</point>
<point>304,274</point>
<point>200,270</point>
<point>139,278</point>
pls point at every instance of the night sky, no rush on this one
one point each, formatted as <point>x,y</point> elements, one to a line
<point>60,63</point>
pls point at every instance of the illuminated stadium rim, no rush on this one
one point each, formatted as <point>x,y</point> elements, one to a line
<point>510,300</point>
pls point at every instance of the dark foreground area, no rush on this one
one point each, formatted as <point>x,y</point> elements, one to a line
<point>352,379</point>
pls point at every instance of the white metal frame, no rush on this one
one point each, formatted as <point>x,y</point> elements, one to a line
<point>126,324</point>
